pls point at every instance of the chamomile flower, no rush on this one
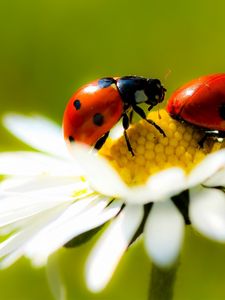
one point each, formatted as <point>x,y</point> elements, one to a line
<point>50,197</point>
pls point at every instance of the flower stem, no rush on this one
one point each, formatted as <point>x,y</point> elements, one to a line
<point>162,283</point>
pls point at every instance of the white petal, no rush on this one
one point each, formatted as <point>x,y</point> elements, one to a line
<point>45,186</point>
<point>163,233</point>
<point>65,228</point>
<point>216,180</point>
<point>32,163</point>
<point>13,247</point>
<point>103,178</point>
<point>161,186</point>
<point>23,206</point>
<point>11,259</point>
<point>67,211</point>
<point>13,183</point>
<point>207,212</point>
<point>33,197</point>
<point>117,131</point>
<point>38,132</point>
<point>207,168</point>
<point>19,238</point>
<point>111,246</point>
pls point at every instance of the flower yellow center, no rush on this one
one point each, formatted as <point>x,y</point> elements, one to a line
<point>153,152</point>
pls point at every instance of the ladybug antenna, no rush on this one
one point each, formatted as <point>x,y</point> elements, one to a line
<point>167,74</point>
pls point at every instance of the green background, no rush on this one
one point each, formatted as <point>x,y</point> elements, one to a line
<point>48,49</point>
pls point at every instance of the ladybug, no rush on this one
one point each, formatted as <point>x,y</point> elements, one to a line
<point>201,102</point>
<point>96,107</point>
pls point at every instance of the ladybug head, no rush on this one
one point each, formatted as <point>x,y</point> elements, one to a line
<point>155,92</point>
<point>136,90</point>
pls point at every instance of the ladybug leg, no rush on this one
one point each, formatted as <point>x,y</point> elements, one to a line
<point>128,143</point>
<point>150,107</point>
<point>101,141</point>
<point>131,116</point>
<point>126,123</point>
<point>217,135</point>
<point>142,114</point>
<point>202,141</point>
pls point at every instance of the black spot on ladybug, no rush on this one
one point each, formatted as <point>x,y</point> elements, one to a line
<point>106,82</point>
<point>98,119</point>
<point>71,138</point>
<point>222,111</point>
<point>77,104</point>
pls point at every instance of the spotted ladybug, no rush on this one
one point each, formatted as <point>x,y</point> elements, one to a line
<point>96,107</point>
<point>201,102</point>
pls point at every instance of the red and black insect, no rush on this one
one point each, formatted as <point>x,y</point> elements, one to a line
<point>96,107</point>
<point>201,102</point>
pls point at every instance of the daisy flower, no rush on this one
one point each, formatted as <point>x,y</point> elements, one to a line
<point>49,197</point>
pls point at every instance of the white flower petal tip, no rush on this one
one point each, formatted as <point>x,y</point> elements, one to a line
<point>212,164</point>
<point>102,177</point>
<point>25,163</point>
<point>39,261</point>
<point>111,246</point>
<point>161,186</point>
<point>163,233</point>
<point>38,132</point>
<point>207,212</point>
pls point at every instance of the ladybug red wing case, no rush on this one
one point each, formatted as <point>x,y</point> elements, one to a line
<point>201,102</point>
<point>91,112</point>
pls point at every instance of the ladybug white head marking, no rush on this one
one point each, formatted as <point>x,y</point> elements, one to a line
<point>140,96</point>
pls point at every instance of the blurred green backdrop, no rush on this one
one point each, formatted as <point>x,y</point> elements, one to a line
<point>48,49</point>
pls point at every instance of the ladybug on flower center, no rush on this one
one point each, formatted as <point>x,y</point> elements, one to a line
<point>96,107</point>
<point>201,103</point>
